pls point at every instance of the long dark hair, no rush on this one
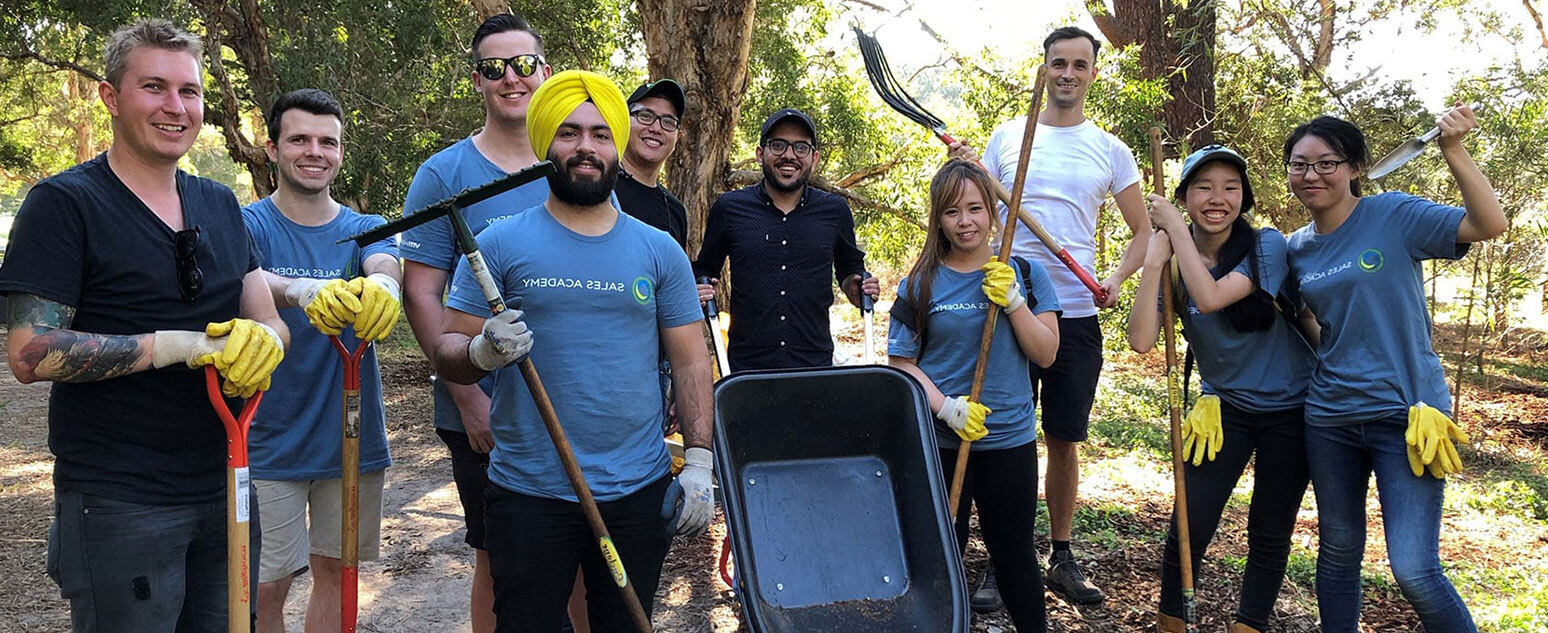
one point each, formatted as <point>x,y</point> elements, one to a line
<point>944,189</point>
<point>1344,137</point>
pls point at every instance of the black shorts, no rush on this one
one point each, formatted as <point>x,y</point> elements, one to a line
<point>1071,381</point>
<point>470,471</point>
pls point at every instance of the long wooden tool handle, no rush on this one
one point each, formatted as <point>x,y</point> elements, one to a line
<point>959,471</point>
<point>1174,397</point>
<point>349,481</point>
<point>572,468</point>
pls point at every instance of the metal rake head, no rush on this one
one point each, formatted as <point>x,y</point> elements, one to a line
<point>887,85</point>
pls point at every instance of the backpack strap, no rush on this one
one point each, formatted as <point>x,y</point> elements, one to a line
<point>1026,275</point>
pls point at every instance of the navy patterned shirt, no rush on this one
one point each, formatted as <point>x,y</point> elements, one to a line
<point>781,267</point>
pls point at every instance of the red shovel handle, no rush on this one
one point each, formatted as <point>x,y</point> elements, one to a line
<point>236,426</point>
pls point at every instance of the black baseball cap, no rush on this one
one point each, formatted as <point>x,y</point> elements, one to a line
<point>781,116</point>
<point>664,88</point>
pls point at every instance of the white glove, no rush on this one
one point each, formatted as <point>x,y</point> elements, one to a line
<point>386,281</point>
<point>186,347</point>
<point>695,489</point>
<point>303,290</point>
<point>505,340</point>
<point>964,417</point>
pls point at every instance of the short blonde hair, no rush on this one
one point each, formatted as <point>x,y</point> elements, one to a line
<point>154,32</point>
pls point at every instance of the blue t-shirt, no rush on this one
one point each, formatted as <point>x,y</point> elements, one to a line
<point>1253,371</point>
<point>447,172</point>
<point>296,434</point>
<point>958,308</point>
<point>595,306</point>
<point>1365,284</point>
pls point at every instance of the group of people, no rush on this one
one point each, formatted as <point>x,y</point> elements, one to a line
<point>124,275</point>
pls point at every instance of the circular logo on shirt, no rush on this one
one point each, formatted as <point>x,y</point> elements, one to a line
<point>643,290</point>
<point>1371,260</point>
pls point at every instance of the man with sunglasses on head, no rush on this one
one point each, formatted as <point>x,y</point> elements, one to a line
<point>508,67</point>
<point>785,240</point>
<point>323,287</point>
<point>124,277</point>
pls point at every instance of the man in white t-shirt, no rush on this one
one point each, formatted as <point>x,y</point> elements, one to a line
<point>1075,166</point>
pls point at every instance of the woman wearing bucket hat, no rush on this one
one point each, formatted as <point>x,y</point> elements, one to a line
<point>1253,369</point>
<point>1376,399</point>
<point>937,324</point>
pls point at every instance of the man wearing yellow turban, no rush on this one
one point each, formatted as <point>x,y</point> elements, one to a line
<point>601,295</point>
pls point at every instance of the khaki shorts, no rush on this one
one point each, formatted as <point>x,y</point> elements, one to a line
<point>287,540</point>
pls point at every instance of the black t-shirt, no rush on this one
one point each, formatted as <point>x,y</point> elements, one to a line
<point>82,238</point>
<point>654,206</point>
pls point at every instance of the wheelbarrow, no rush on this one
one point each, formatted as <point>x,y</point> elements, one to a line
<point>836,504</point>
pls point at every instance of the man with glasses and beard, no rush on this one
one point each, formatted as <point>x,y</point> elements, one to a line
<point>124,277</point>
<point>603,292</point>
<point>508,67</point>
<point>785,239</point>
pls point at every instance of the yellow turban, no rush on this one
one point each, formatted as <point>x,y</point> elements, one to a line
<point>561,94</point>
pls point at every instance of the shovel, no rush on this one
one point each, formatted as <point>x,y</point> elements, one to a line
<point>867,309</point>
<point>349,571</point>
<point>712,314</point>
<point>1405,152</point>
<point>239,588</point>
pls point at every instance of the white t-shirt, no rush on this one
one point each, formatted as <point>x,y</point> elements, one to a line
<point>1073,170</point>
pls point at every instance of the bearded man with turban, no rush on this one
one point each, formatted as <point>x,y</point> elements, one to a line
<point>595,296</point>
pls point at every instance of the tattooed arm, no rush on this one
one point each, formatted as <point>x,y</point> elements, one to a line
<point>41,345</point>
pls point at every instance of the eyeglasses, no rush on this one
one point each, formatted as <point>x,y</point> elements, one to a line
<point>493,68</point>
<point>185,248</point>
<point>646,117</point>
<point>778,145</point>
<point>1322,166</point>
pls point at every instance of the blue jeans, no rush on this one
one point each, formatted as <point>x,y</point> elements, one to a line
<point>1341,460</point>
<point>142,568</point>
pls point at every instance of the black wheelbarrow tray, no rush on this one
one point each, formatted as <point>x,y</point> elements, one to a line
<point>836,504</point>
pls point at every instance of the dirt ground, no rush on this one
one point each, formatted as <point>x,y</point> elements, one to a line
<point>421,581</point>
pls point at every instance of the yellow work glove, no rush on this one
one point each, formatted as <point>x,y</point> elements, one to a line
<point>1430,437</point>
<point>251,352</point>
<point>329,305</point>
<point>1001,286</point>
<point>964,417</point>
<point>379,305</point>
<point>1202,437</point>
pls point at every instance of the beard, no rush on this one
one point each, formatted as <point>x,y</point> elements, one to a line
<point>771,177</point>
<point>583,191</point>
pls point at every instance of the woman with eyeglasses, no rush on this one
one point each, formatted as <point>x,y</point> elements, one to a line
<point>1377,397</point>
<point>937,326</point>
<point>1253,371</point>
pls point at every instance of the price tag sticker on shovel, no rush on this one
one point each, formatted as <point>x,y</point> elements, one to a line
<point>242,509</point>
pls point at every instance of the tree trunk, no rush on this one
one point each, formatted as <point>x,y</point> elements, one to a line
<point>242,30</point>
<point>704,45</point>
<point>489,8</point>
<point>83,94</point>
<point>1177,42</point>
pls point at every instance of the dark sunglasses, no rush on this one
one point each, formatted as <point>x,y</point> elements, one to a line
<point>185,248</point>
<point>646,117</point>
<point>493,68</point>
<point>777,146</point>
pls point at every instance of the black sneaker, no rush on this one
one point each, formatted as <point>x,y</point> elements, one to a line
<point>1066,579</point>
<point>986,599</point>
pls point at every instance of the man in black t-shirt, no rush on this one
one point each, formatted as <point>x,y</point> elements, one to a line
<point>655,110</point>
<point>123,276</point>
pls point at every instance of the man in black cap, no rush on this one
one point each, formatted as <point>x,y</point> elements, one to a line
<point>655,112</point>
<point>785,241</point>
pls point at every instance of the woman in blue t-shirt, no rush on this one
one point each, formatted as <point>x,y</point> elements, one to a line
<point>937,325</point>
<point>1253,370</point>
<point>1376,399</point>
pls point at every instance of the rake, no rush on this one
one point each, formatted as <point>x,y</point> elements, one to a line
<point>891,91</point>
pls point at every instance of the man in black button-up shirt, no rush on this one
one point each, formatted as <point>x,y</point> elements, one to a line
<point>785,240</point>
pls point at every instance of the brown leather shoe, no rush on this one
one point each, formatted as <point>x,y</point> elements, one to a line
<point>1169,624</point>
<point>1238,627</point>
